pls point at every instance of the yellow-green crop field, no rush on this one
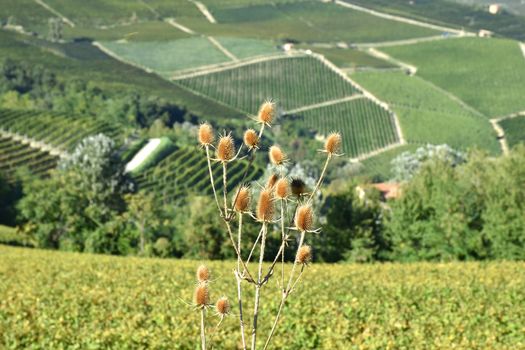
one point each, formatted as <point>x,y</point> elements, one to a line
<point>56,300</point>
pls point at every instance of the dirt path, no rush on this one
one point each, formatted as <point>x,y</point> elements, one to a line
<point>501,136</point>
<point>403,19</point>
<point>376,152</point>
<point>383,56</point>
<point>406,42</point>
<point>325,104</point>
<point>56,13</point>
<point>202,8</point>
<point>522,46</point>
<point>222,48</point>
<point>44,147</point>
<point>179,26</point>
<point>150,8</point>
<point>142,154</point>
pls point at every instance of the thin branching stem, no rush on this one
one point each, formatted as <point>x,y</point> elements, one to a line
<point>225,187</point>
<point>211,179</point>
<point>320,181</point>
<point>254,246</point>
<point>239,280</point>
<point>258,286</point>
<point>203,329</point>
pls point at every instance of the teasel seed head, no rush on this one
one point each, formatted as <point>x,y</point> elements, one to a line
<point>333,143</point>
<point>266,113</point>
<point>298,187</point>
<point>242,199</point>
<point>282,188</point>
<point>226,148</point>
<point>203,274</point>
<point>304,218</point>
<point>277,156</point>
<point>251,139</point>
<point>265,208</point>
<point>206,136</point>
<point>201,297</point>
<point>223,306</point>
<point>271,181</point>
<point>304,255</point>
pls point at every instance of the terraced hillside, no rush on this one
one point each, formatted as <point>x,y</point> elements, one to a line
<point>15,155</point>
<point>293,82</point>
<point>186,171</point>
<point>51,131</point>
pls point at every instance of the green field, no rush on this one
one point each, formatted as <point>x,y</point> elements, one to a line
<point>365,126</point>
<point>308,21</point>
<point>185,171</point>
<point>166,57</point>
<point>486,74</point>
<point>427,114</point>
<point>245,47</point>
<point>349,58</point>
<point>379,167</point>
<point>514,130</point>
<point>292,82</point>
<point>57,300</point>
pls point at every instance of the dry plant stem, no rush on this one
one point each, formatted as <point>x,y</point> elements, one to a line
<point>211,179</point>
<point>203,331</point>
<point>320,179</point>
<point>286,293</point>
<point>283,242</point>
<point>258,287</point>
<point>253,247</point>
<point>225,187</point>
<point>239,280</point>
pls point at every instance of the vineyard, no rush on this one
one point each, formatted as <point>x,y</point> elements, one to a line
<point>292,82</point>
<point>186,171</point>
<point>245,48</point>
<point>366,125</point>
<point>379,167</point>
<point>428,115</point>
<point>52,129</point>
<point>15,155</point>
<point>486,74</point>
<point>55,300</point>
<point>514,130</point>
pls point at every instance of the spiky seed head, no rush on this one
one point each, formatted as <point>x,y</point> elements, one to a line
<point>271,181</point>
<point>304,218</point>
<point>223,306</point>
<point>206,136</point>
<point>304,255</point>
<point>242,199</point>
<point>266,112</point>
<point>333,143</point>
<point>277,156</point>
<point>265,209</point>
<point>203,274</point>
<point>251,139</point>
<point>298,187</point>
<point>201,297</point>
<point>282,188</point>
<point>226,148</point>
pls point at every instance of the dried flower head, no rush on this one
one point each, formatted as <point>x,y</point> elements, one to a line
<point>251,139</point>
<point>242,199</point>
<point>282,188</point>
<point>266,112</point>
<point>203,274</point>
<point>265,209</point>
<point>304,255</point>
<point>201,297</point>
<point>277,156</point>
<point>333,143</point>
<point>223,306</point>
<point>225,148</point>
<point>206,136</point>
<point>304,218</point>
<point>271,181</point>
<point>298,187</point>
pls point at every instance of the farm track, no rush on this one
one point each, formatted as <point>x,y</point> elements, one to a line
<point>143,154</point>
<point>403,19</point>
<point>325,104</point>
<point>405,42</point>
<point>179,26</point>
<point>522,47</point>
<point>44,147</point>
<point>56,13</point>
<point>376,152</point>
<point>202,8</point>
<point>383,56</point>
<point>222,49</point>
<point>501,136</point>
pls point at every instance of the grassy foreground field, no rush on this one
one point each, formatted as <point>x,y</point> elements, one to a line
<point>55,300</point>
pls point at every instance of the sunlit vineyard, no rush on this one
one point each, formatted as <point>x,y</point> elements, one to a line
<point>55,129</point>
<point>53,300</point>
<point>15,155</point>
<point>186,171</point>
<point>366,125</point>
<point>514,130</point>
<point>292,82</point>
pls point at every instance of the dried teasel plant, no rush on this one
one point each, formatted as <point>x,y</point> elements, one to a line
<point>271,209</point>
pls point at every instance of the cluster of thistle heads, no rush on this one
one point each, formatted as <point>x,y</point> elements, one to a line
<point>201,298</point>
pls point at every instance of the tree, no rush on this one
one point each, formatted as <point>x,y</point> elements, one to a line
<point>143,213</point>
<point>55,29</point>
